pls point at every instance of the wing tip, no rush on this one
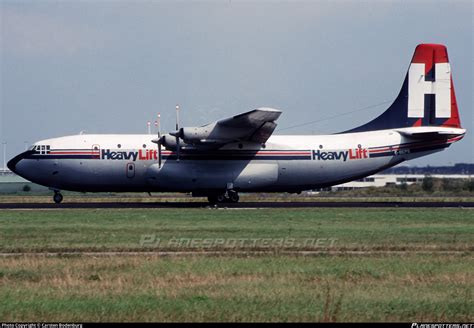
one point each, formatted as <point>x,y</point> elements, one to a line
<point>269,109</point>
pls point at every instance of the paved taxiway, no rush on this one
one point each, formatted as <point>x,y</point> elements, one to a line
<point>111,205</point>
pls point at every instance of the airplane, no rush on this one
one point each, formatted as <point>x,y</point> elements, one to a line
<point>241,154</point>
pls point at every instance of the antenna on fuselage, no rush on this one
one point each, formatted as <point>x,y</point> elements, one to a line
<point>177,117</point>
<point>157,123</point>
<point>177,134</point>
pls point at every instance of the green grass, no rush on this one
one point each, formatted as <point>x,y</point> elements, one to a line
<point>364,195</point>
<point>274,288</point>
<point>433,286</point>
<point>140,229</point>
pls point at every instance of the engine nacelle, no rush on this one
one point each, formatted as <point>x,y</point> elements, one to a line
<point>169,142</point>
<point>212,133</point>
<point>197,134</point>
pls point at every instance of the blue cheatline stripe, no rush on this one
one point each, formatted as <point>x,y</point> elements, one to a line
<point>191,155</point>
<point>237,157</point>
<point>37,156</point>
<point>184,157</point>
<point>419,143</point>
<point>72,149</point>
<point>389,153</point>
<point>223,151</point>
<point>414,150</point>
<point>171,157</point>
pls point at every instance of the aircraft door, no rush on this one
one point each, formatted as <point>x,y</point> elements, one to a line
<point>130,170</point>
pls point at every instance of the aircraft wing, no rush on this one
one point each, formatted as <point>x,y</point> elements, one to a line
<point>255,126</point>
<point>254,118</point>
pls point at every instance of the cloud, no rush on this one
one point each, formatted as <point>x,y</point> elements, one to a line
<point>36,34</point>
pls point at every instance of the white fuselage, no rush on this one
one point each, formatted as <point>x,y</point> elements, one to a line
<point>285,163</point>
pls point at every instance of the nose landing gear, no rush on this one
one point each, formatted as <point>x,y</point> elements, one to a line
<point>58,197</point>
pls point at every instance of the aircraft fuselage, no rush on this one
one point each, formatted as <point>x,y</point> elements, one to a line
<point>284,163</point>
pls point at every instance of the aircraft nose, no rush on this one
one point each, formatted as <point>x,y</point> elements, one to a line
<point>14,161</point>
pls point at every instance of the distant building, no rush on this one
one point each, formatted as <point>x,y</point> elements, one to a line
<point>383,180</point>
<point>408,175</point>
<point>12,183</point>
<point>459,168</point>
<point>4,172</point>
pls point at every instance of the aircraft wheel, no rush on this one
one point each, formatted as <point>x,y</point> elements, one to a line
<point>233,197</point>
<point>58,197</point>
<point>216,199</point>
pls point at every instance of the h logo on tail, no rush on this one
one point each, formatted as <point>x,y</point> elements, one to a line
<point>418,87</point>
<point>427,96</point>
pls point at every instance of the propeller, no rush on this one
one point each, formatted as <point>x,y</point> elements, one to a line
<point>162,140</point>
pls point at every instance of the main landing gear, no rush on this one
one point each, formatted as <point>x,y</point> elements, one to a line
<point>229,196</point>
<point>58,197</point>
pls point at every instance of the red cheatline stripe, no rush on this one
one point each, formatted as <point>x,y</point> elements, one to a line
<point>95,150</point>
<point>410,144</point>
<point>246,153</point>
<point>73,153</point>
<point>415,145</point>
<point>456,138</point>
<point>383,150</point>
<point>283,153</point>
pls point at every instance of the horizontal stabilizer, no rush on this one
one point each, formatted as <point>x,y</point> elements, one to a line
<point>430,133</point>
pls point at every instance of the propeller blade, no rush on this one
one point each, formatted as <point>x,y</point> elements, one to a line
<point>177,147</point>
<point>177,134</point>
<point>159,154</point>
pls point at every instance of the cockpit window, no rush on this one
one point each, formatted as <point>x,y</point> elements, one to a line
<point>41,149</point>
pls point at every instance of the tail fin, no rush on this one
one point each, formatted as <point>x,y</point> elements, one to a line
<point>427,96</point>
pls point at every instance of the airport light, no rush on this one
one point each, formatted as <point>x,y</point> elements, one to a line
<point>4,155</point>
<point>157,122</point>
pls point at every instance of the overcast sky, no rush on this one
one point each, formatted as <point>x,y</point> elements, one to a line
<point>110,66</point>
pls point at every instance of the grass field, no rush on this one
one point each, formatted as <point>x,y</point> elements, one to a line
<point>346,196</point>
<point>436,285</point>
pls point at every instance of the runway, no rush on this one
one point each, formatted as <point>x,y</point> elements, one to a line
<point>241,205</point>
